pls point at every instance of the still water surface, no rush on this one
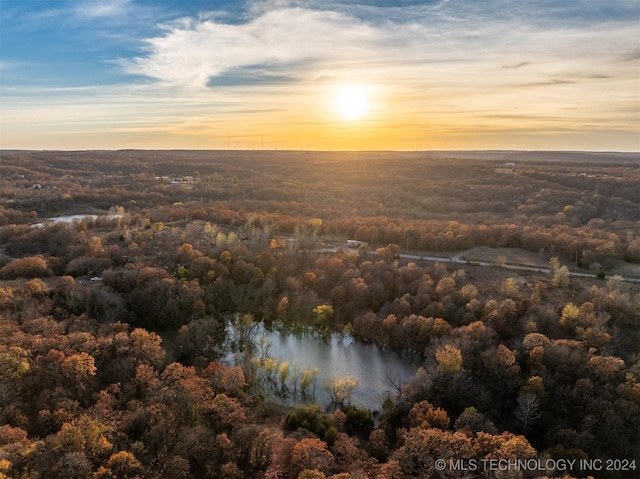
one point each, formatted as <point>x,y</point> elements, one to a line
<point>72,218</point>
<point>337,356</point>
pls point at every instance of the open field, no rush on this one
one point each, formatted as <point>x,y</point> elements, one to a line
<point>500,256</point>
<point>625,269</point>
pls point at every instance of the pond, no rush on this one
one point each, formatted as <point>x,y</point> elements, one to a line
<point>72,218</point>
<point>339,356</point>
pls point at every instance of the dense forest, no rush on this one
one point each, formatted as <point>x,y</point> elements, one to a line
<point>128,336</point>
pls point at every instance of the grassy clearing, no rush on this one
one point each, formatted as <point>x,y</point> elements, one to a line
<point>507,256</point>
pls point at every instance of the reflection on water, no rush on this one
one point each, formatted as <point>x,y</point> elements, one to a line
<point>72,218</point>
<point>338,356</point>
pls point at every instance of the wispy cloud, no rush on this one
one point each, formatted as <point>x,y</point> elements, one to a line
<point>435,71</point>
<point>101,8</point>
<point>515,66</point>
<point>192,52</point>
<point>422,47</point>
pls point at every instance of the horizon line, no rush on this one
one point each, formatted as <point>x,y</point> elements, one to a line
<point>484,150</point>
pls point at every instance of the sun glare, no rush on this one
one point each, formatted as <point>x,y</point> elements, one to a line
<point>352,102</point>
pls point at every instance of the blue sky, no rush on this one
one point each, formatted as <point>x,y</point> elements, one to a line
<point>446,74</point>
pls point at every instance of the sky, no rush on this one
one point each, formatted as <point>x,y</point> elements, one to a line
<point>320,74</point>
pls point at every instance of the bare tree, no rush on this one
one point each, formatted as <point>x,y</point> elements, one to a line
<point>393,380</point>
<point>528,410</point>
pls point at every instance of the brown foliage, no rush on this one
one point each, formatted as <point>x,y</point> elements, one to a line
<point>28,267</point>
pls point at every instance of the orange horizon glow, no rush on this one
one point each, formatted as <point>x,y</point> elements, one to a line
<point>286,76</point>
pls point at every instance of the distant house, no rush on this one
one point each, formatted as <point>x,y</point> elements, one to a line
<point>510,165</point>
<point>353,244</point>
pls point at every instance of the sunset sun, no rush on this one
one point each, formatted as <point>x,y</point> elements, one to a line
<point>352,102</point>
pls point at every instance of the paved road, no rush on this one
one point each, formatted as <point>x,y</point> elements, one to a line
<point>457,259</point>
<point>518,267</point>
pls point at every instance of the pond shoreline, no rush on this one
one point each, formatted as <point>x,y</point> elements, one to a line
<point>284,358</point>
